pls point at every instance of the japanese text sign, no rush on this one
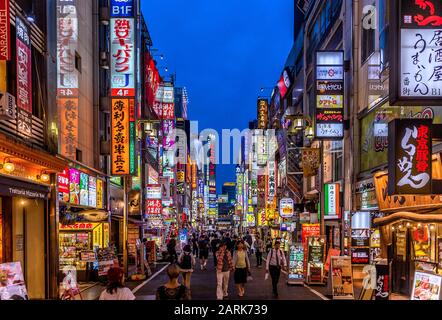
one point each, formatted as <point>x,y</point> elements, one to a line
<point>120,137</point>
<point>24,66</point>
<point>123,57</point>
<point>410,156</point>
<point>329,94</point>
<point>5,30</point>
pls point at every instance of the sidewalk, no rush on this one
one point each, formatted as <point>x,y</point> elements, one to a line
<point>93,291</point>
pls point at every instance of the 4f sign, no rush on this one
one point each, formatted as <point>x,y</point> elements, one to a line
<point>122,8</point>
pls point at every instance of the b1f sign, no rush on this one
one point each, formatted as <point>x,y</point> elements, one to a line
<point>122,8</point>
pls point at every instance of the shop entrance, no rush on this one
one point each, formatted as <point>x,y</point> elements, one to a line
<point>401,262</point>
<point>22,239</point>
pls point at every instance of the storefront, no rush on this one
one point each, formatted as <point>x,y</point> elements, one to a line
<point>84,225</point>
<point>27,219</point>
<point>410,233</point>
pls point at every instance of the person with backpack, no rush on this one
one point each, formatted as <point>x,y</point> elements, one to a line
<point>186,262</point>
<point>173,290</point>
<point>275,262</point>
<point>203,247</point>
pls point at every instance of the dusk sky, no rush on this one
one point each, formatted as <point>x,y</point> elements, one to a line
<point>223,52</point>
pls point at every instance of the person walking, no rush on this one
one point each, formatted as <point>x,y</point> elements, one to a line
<point>215,246</point>
<point>173,290</point>
<point>195,245</point>
<point>248,239</point>
<point>116,290</point>
<point>241,264</point>
<point>147,251</point>
<point>259,249</point>
<point>203,247</point>
<point>275,262</point>
<point>186,262</point>
<point>171,250</point>
<point>223,269</point>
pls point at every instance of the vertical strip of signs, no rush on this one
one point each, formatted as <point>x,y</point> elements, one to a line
<point>329,94</point>
<point>263,113</point>
<point>5,31</point>
<point>67,77</point>
<point>120,137</point>
<point>332,205</point>
<point>24,66</point>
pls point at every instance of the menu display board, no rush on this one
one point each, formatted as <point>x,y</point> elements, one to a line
<point>426,286</point>
<point>331,253</point>
<point>296,263</point>
<point>360,238</point>
<point>12,282</point>
<point>74,186</point>
<point>84,189</point>
<point>342,278</point>
<point>315,259</point>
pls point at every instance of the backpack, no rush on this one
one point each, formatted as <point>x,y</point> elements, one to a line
<point>179,295</point>
<point>186,263</point>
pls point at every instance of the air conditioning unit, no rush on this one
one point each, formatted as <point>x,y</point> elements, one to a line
<point>8,108</point>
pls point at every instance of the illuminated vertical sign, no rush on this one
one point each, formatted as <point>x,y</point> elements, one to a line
<point>132,138</point>
<point>67,77</point>
<point>100,193</point>
<point>5,30</point>
<point>122,57</point>
<point>332,206</point>
<point>329,94</point>
<point>416,45</point>
<point>410,156</point>
<point>263,114</point>
<point>271,182</point>
<point>120,137</point>
<point>24,66</point>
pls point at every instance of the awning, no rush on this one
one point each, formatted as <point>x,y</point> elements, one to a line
<point>434,217</point>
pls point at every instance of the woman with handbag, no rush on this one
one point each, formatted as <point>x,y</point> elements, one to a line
<point>241,264</point>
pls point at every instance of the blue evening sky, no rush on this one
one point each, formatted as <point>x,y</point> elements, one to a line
<point>223,52</point>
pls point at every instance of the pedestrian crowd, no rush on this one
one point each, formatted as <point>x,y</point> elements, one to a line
<point>231,258</point>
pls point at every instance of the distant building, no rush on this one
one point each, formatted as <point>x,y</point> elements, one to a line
<point>229,188</point>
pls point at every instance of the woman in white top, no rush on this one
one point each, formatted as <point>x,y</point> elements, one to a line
<point>115,289</point>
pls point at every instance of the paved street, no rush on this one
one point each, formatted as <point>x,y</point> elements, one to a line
<point>203,286</point>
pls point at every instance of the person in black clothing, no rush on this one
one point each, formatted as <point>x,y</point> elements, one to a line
<point>229,243</point>
<point>215,246</point>
<point>171,250</point>
<point>195,245</point>
<point>203,246</point>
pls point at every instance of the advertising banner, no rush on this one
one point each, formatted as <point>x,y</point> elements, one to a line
<point>332,206</point>
<point>415,76</point>
<point>24,66</point>
<point>263,114</point>
<point>286,208</point>
<point>296,263</point>
<point>123,53</point>
<point>329,95</point>
<point>382,291</point>
<point>426,286</point>
<point>342,278</point>
<point>5,31</point>
<point>120,137</point>
<point>63,186</point>
<point>410,156</point>
<point>153,191</point>
<point>74,186</point>
<point>12,282</point>
<point>84,189</point>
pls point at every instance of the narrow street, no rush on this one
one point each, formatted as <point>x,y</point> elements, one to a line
<point>203,286</point>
